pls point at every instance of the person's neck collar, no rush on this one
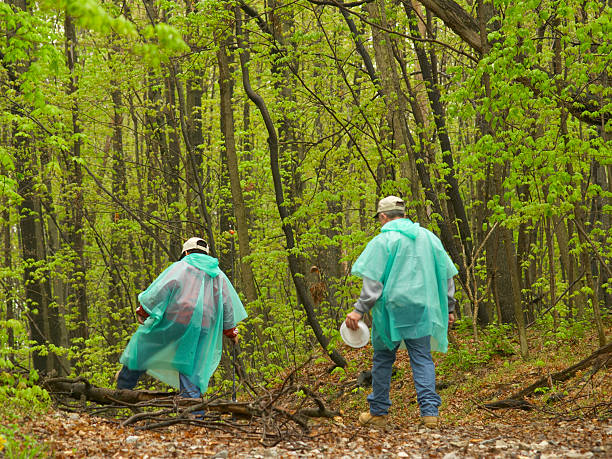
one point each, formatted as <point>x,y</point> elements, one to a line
<point>391,219</point>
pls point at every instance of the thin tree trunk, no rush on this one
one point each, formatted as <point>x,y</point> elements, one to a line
<point>194,164</point>
<point>117,255</point>
<point>294,264</point>
<point>8,282</point>
<point>75,233</point>
<point>171,163</point>
<point>395,102</point>
<point>248,282</point>
<point>433,93</point>
<point>231,158</point>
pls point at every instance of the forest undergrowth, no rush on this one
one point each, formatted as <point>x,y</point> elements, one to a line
<point>572,418</point>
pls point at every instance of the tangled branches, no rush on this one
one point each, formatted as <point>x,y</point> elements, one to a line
<point>270,418</point>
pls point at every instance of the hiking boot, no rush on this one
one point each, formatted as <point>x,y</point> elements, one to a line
<point>431,422</point>
<point>367,419</point>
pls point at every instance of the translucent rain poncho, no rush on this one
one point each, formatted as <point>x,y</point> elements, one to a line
<point>183,333</point>
<point>414,268</point>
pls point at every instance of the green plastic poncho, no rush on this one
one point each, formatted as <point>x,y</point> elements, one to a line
<point>183,333</point>
<point>414,269</point>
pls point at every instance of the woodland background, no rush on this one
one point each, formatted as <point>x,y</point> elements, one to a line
<point>271,129</point>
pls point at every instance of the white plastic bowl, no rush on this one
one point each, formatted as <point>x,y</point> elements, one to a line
<point>355,338</point>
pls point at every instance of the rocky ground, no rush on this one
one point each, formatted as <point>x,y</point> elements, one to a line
<point>71,435</point>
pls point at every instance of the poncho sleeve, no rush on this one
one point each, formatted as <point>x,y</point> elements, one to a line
<point>155,298</point>
<point>444,265</point>
<point>233,310</point>
<point>372,263</point>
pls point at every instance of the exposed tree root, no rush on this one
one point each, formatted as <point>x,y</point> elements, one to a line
<point>597,360</point>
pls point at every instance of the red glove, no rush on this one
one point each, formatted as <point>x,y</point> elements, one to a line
<point>141,312</point>
<point>231,332</point>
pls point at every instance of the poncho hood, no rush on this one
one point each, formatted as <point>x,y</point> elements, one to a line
<point>204,262</point>
<point>404,226</point>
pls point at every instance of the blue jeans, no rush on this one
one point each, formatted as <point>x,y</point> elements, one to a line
<point>423,374</point>
<point>128,379</point>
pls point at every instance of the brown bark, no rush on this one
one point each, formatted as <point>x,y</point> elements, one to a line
<point>117,306</point>
<point>8,281</point>
<point>36,288</point>
<point>395,101</point>
<point>428,71</point>
<point>457,19</point>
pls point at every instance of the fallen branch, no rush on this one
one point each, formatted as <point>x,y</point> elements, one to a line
<point>269,417</point>
<point>516,400</point>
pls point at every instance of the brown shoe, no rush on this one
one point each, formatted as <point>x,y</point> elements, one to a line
<point>431,422</point>
<point>367,419</point>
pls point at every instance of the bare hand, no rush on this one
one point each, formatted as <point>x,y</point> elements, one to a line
<point>234,340</point>
<point>352,320</point>
<point>140,319</point>
<point>451,319</point>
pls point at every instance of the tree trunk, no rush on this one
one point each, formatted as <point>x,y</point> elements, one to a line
<point>395,101</point>
<point>117,306</point>
<point>248,282</point>
<point>193,168</point>
<point>75,232</point>
<point>171,164</point>
<point>516,292</point>
<point>294,265</point>
<point>428,71</point>
<point>8,283</point>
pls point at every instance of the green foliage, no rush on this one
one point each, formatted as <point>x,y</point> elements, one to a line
<point>521,160</point>
<point>16,445</point>
<point>19,393</point>
<point>470,354</point>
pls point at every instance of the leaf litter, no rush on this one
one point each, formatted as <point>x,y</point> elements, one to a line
<point>576,424</point>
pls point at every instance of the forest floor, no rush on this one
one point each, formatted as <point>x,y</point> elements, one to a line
<point>572,419</point>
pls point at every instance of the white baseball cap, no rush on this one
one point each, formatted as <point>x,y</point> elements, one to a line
<point>196,243</point>
<point>390,203</point>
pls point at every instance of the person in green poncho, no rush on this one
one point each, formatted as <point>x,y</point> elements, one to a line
<point>408,286</point>
<point>184,314</point>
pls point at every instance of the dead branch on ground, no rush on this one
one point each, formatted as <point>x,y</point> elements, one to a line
<point>269,417</point>
<point>597,359</point>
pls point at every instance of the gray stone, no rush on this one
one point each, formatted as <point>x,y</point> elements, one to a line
<point>132,439</point>
<point>270,452</point>
<point>501,444</point>
<point>573,454</point>
<point>459,443</point>
<point>540,446</point>
<point>451,455</point>
<point>221,454</point>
